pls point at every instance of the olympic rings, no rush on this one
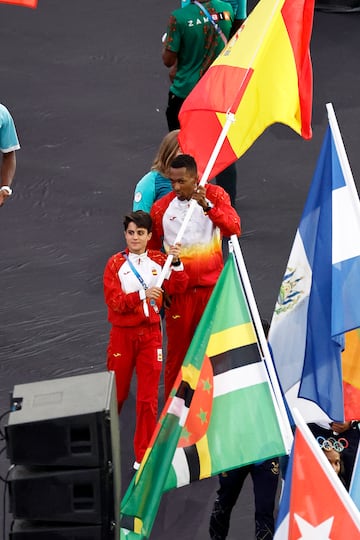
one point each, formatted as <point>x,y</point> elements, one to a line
<point>345,443</point>
<point>332,444</point>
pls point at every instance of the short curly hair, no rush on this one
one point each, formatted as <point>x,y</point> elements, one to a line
<point>140,218</point>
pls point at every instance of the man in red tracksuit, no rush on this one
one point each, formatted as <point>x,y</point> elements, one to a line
<point>201,251</point>
<point>134,302</point>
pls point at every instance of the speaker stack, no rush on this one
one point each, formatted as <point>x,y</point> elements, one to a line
<point>63,440</point>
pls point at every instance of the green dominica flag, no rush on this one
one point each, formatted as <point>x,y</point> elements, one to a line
<point>220,414</point>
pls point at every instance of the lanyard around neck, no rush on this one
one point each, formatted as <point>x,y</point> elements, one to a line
<point>133,269</point>
<point>211,20</point>
<point>141,279</point>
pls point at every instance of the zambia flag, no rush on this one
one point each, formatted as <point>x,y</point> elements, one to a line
<point>220,415</point>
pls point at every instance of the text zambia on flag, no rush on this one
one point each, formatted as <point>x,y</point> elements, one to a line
<point>314,504</point>
<point>319,296</point>
<point>263,76</point>
<point>220,414</point>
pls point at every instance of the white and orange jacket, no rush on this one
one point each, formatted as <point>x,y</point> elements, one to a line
<point>201,248</point>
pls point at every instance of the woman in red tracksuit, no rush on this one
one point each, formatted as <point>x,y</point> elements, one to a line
<point>134,302</point>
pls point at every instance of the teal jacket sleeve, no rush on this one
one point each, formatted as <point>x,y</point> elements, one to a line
<point>144,195</point>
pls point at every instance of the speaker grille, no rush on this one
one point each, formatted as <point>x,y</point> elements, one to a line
<point>64,443</point>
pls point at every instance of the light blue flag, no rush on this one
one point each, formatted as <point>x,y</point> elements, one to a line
<point>319,295</point>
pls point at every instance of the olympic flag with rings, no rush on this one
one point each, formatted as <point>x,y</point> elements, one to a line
<point>220,414</point>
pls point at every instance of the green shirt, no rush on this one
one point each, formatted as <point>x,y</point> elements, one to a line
<point>194,39</point>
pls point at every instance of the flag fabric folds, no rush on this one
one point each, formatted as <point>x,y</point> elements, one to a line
<point>263,76</point>
<point>318,299</point>
<point>351,375</point>
<point>24,3</point>
<point>314,504</point>
<point>220,414</point>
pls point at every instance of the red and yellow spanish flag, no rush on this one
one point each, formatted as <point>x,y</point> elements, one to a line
<point>24,3</point>
<point>263,76</point>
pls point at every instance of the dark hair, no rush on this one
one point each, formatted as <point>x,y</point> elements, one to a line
<point>140,218</point>
<point>185,160</point>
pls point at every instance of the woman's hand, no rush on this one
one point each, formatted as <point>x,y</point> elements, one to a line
<point>153,293</point>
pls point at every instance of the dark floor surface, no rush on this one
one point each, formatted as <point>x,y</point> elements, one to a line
<point>86,86</point>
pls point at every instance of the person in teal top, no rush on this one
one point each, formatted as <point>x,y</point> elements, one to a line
<point>9,143</point>
<point>155,184</point>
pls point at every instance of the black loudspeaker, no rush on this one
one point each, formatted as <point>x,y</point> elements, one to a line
<point>24,530</point>
<point>63,438</point>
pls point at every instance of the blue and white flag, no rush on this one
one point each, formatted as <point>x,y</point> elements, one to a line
<point>319,295</point>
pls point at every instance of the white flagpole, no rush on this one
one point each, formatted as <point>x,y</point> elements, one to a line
<point>229,120</point>
<point>340,148</point>
<point>278,399</point>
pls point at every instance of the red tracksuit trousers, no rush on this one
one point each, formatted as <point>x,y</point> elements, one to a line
<point>182,318</point>
<point>140,348</point>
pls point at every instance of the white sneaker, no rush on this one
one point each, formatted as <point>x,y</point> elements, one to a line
<point>136,465</point>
